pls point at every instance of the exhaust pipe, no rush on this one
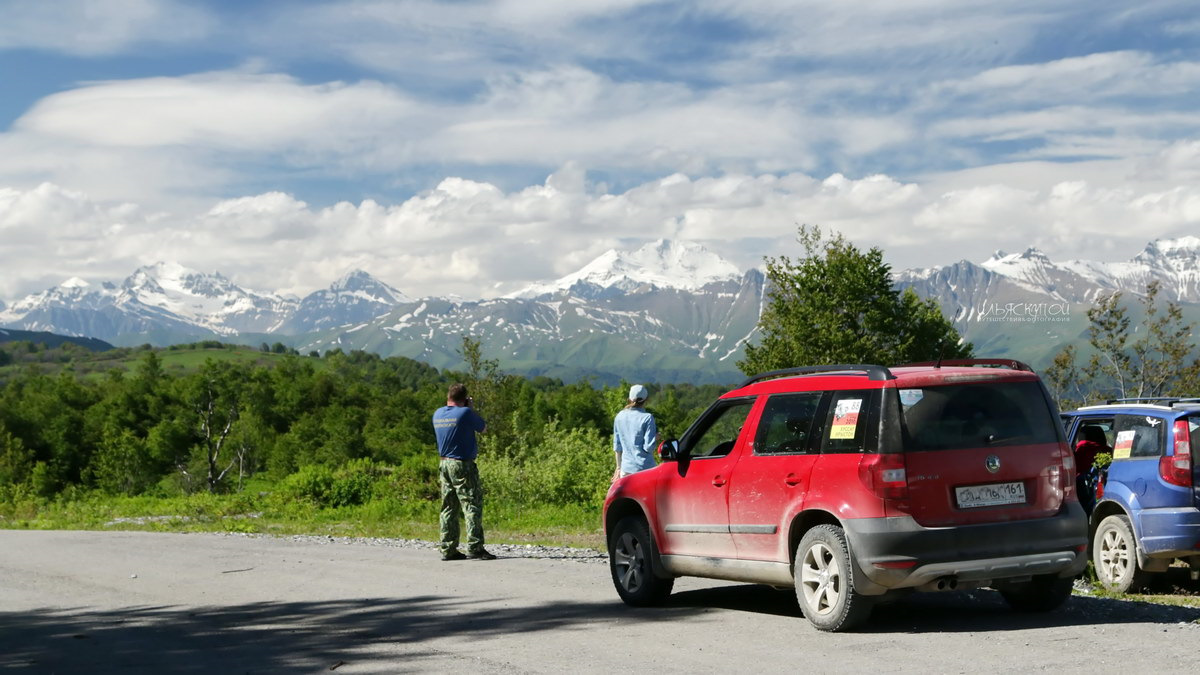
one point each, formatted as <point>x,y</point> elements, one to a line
<point>947,583</point>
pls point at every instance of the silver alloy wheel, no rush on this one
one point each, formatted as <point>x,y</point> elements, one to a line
<point>630,561</point>
<point>821,579</point>
<point>1116,556</point>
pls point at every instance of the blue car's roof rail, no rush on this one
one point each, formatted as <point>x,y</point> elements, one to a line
<point>871,371</point>
<point>1170,401</point>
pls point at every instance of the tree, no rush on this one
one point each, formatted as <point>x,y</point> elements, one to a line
<point>495,394</point>
<point>1064,380</point>
<point>1127,361</point>
<point>16,462</point>
<point>837,304</point>
<point>214,394</point>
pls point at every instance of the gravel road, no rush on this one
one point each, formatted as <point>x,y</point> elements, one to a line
<point>137,602</point>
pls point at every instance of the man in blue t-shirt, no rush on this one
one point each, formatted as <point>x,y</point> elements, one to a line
<point>455,426</point>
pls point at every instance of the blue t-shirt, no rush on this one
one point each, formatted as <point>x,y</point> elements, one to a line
<point>455,428</point>
<point>634,436</point>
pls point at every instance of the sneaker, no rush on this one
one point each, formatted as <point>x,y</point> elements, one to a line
<point>481,554</point>
<point>454,555</point>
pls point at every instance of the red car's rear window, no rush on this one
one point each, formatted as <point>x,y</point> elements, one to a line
<point>975,415</point>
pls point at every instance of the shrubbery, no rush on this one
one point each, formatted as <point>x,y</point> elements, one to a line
<point>290,440</point>
<point>567,466</point>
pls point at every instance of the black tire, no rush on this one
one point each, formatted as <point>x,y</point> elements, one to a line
<point>630,551</point>
<point>1114,555</point>
<point>1041,594</point>
<point>824,574</point>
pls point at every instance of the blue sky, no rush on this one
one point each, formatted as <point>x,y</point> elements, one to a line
<point>473,147</point>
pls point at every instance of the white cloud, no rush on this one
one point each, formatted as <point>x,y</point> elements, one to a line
<point>1075,80</point>
<point>474,239</point>
<point>166,134</point>
<point>228,111</point>
<point>92,27</point>
<point>921,121</point>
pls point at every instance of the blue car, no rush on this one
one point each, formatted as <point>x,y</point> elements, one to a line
<point>1144,506</point>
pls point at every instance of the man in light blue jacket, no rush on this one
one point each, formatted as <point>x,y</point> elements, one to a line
<point>634,435</point>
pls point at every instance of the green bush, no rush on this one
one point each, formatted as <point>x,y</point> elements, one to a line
<point>354,483</point>
<point>351,484</point>
<point>311,483</point>
<point>415,479</point>
<point>571,466</point>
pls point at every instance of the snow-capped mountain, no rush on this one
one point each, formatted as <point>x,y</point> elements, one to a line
<point>662,264</point>
<point>165,300</point>
<point>1027,305</point>
<point>1174,263</point>
<point>207,300</point>
<point>353,299</point>
<point>649,333</point>
<point>663,311</point>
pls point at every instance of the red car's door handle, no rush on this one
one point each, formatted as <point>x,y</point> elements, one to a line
<point>792,480</point>
<point>718,481</point>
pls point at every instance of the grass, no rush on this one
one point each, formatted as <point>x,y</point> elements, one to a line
<point>1173,587</point>
<point>262,512</point>
<point>175,360</point>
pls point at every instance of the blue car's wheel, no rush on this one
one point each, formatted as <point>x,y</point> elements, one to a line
<point>1114,554</point>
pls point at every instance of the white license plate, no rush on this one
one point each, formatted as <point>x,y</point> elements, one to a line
<point>990,495</point>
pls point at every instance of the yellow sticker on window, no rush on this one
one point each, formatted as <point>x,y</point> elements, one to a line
<point>1124,444</point>
<point>845,419</point>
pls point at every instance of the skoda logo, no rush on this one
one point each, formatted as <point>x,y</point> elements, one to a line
<point>992,463</point>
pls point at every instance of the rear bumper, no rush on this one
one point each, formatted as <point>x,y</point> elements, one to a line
<point>1169,533</point>
<point>897,553</point>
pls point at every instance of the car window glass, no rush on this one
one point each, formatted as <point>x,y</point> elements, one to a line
<point>851,417</point>
<point>721,430</point>
<point>1096,430</point>
<point>787,422</point>
<point>994,414</point>
<point>1138,436</point>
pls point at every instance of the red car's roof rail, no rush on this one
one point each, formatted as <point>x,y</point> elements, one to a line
<point>872,372</point>
<point>1012,364</point>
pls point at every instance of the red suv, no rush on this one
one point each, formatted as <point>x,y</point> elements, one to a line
<point>856,483</point>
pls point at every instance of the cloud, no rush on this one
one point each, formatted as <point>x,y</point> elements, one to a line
<point>474,239</point>
<point>170,138</point>
<point>99,27</point>
<point>635,88</point>
<point>166,135</point>
<point>1093,77</point>
<point>229,111</point>
<point>404,137</point>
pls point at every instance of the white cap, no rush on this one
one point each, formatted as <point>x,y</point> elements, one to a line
<point>638,393</point>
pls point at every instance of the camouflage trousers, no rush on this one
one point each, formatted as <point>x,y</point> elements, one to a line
<point>462,494</point>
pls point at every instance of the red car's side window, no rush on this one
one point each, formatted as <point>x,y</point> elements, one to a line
<point>787,424</point>
<point>720,430</point>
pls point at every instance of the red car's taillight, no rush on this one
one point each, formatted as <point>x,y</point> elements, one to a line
<point>1176,468</point>
<point>883,473</point>
<point>1067,472</point>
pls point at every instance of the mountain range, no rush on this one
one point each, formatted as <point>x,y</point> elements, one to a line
<point>667,311</point>
<point>1026,306</point>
